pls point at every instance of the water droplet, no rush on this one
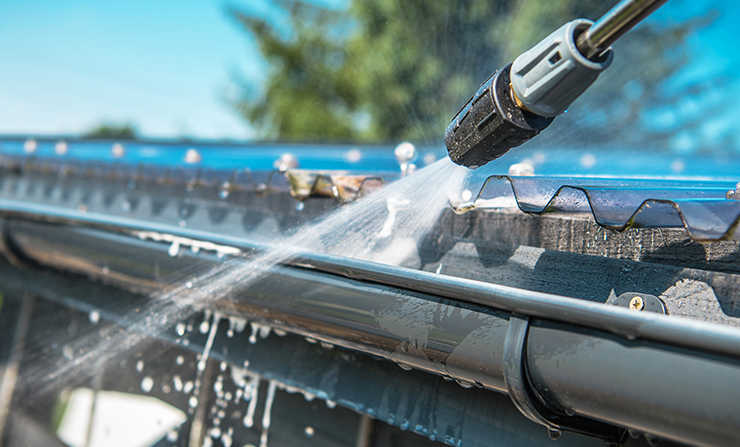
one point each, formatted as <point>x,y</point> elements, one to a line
<point>192,156</point>
<point>299,206</point>
<point>188,387</point>
<point>61,148</point>
<point>68,352</point>
<point>226,438</point>
<point>404,425</point>
<point>140,365</point>
<point>147,384</point>
<point>174,249</point>
<point>193,401</point>
<point>265,331</point>
<point>331,404</point>
<point>465,383</point>
<point>166,389</point>
<point>177,381</point>
<point>30,146</point>
<point>204,326</point>
<point>118,150</point>
<point>405,367</point>
<point>189,284</point>
<point>224,193</point>
<point>180,329</point>
<point>94,317</point>
<point>554,434</point>
<point>308,431</point>
<point>172,436</point>
<point>327,346</point>
<point>353,155</point>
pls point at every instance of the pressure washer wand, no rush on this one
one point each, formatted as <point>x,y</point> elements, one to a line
<point>521,99</point>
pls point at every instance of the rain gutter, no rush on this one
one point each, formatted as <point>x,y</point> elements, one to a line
<point>567,364</point>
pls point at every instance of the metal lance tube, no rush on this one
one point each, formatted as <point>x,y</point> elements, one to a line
<point>614,24</point>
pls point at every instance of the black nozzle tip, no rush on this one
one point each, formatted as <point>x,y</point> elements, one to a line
<point>490,124</point>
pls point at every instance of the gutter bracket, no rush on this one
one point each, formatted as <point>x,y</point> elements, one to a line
<point>524,396</point>
<point>640,302</point>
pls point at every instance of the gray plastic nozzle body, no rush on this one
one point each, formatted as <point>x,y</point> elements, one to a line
<point>553,74</point>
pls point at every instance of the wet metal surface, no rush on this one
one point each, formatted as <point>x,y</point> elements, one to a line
<point>430,323</point>
<point>701,206</point>
<point>705,208</point>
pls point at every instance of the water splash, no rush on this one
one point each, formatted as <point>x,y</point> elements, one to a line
<point>267,415</point>
<point>386,226</point>
<point>251,391</point>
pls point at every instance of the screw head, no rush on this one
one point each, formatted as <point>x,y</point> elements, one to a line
<point>637,303</point>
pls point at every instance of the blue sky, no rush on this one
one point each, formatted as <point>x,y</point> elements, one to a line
<point>166,66</point>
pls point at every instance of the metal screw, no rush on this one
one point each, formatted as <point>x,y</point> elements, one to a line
<point>637,303</point>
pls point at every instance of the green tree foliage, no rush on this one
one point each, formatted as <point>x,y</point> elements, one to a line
<point>391,70</point>
<point>310,94</point>
<point>108,131</point>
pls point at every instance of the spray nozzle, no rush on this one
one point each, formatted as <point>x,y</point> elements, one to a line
<point>521,99</point>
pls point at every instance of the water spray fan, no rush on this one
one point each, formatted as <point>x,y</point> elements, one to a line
<point>521,99</point>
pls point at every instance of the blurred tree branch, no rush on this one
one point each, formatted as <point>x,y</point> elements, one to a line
<point>392,70</point>
<point>109,131</point>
